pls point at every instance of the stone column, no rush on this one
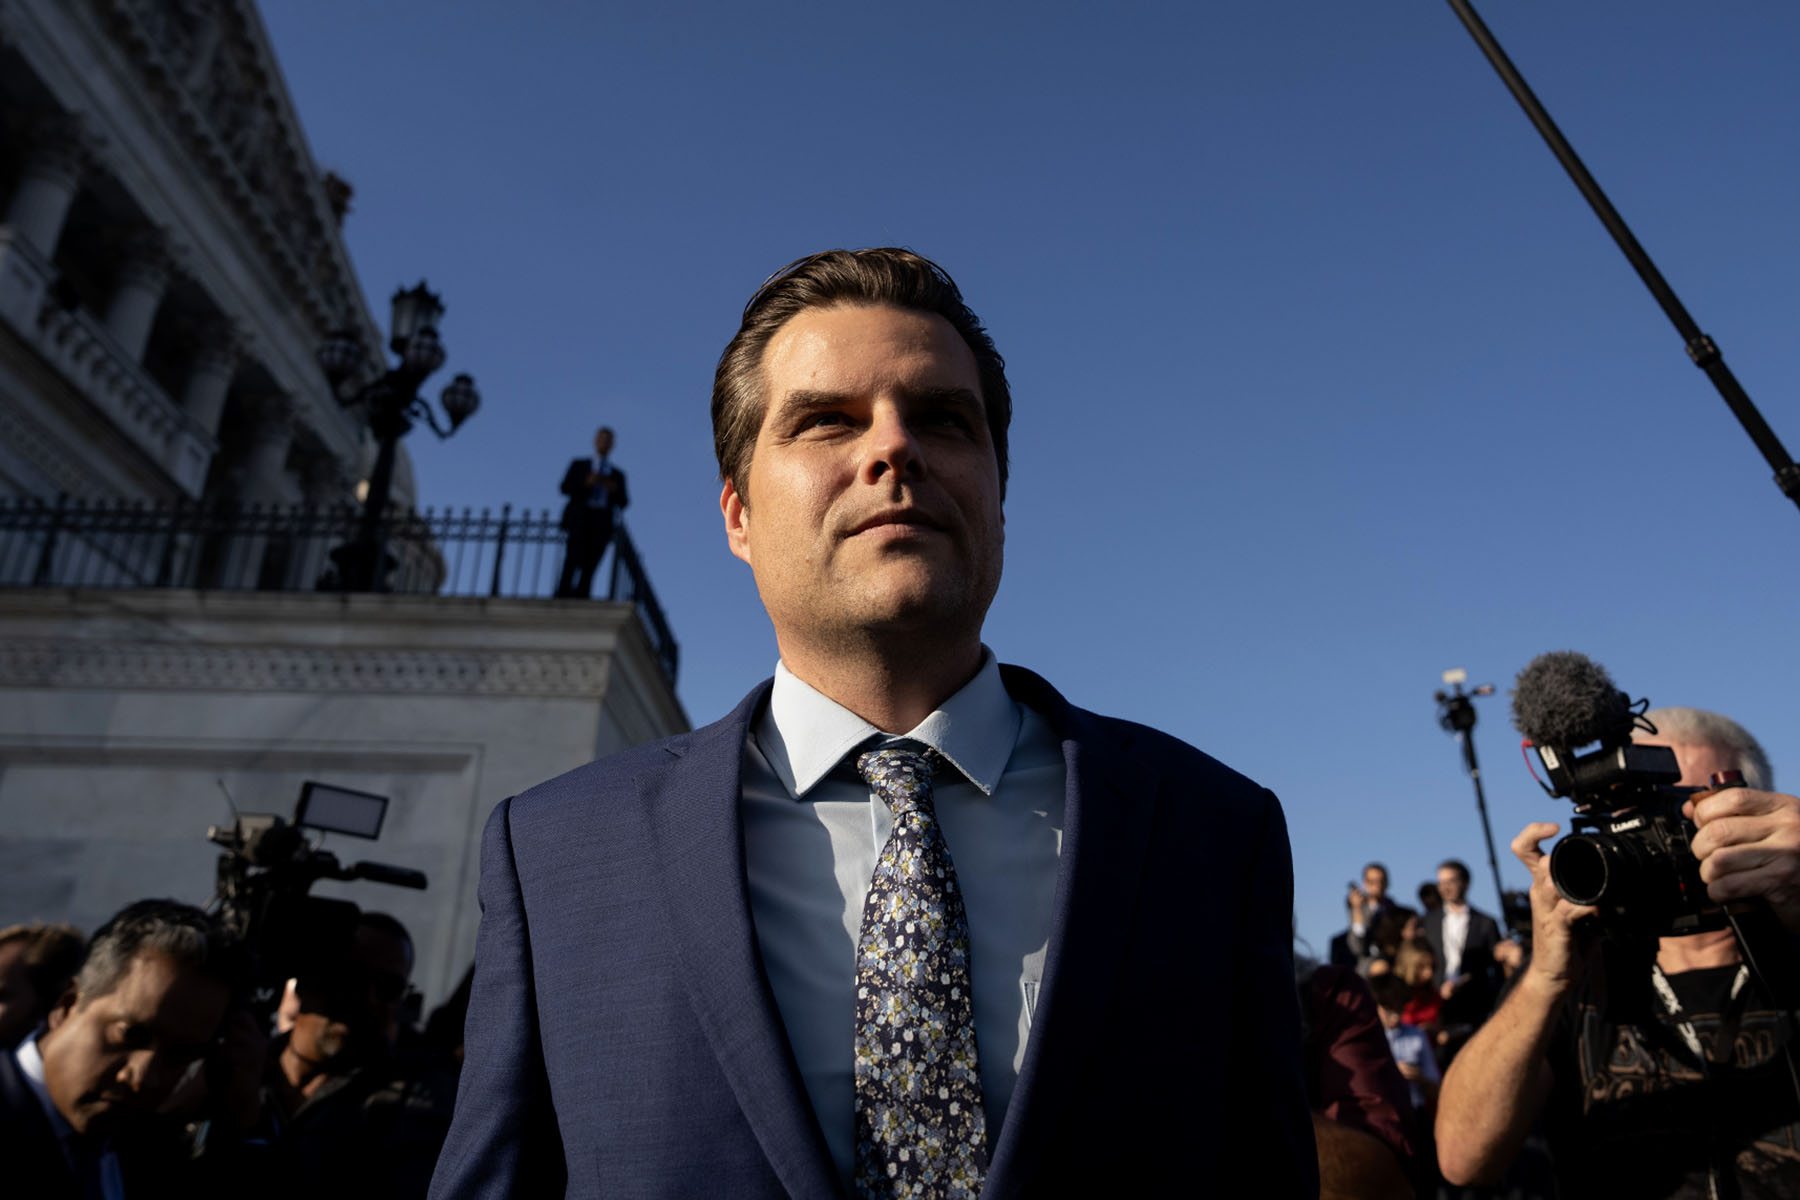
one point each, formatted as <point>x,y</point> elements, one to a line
<point>209,374</point>
<point>262,471</point>
<point>51,174</point>
<point>325,490</point>
<point>259,478</point>
<point>143,276</point>
<point>56,155</point>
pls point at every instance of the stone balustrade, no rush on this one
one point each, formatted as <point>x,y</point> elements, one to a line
<point>93,363</point>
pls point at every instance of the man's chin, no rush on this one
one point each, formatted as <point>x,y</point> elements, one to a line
<point>103,1117</point>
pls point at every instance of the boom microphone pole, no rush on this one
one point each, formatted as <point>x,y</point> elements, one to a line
<point>1702,349</point>
<point>1456,713</point>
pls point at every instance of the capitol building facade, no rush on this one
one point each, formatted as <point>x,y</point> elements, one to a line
<point>170,263</point>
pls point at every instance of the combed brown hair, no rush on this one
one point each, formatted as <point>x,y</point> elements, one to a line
<point>830,279</point>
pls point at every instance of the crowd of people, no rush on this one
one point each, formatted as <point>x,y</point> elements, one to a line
<point>1584,1052</point>
<point>142,1062</point>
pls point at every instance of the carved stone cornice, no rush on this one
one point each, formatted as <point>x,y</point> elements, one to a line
<point>60,143</point>
<point>116,665</point>
<point>206,66</point>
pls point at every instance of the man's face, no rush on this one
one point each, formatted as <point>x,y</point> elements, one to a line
<point>110,1058</point>
<point>603,442</point>
<point>1375,883</point>
<point>19,999</point>
<point>1390,1017</point>
<point>1451,885</point>
<point>343,1020</point>
<point>873,499</point>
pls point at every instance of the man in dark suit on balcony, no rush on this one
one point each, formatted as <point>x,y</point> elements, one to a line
<point>596,490</point>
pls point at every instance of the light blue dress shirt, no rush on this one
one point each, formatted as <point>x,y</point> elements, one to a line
<point>812,832</point>
<point>31,1066</point>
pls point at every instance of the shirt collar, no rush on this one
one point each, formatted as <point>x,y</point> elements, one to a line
<point>805,733</point>
<point>31,1066</point>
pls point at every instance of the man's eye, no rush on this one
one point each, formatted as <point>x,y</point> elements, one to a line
<point>824,419</point>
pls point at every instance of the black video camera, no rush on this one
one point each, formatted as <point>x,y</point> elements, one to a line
<point>1630,853</point>
<point>265,873</point>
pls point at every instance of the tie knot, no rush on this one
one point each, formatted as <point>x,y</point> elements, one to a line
<point>900,775</point>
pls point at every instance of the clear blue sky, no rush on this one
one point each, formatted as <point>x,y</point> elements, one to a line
<point>1325,377</point>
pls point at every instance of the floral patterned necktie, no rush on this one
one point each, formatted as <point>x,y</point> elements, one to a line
<point>920,1129</point>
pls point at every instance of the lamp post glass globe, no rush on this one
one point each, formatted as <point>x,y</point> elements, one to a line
<point>460,400</point>
<point>413,309</point>
<point>423,353</point>
<point>340,355</point>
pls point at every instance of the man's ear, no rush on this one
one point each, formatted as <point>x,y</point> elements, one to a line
<point>65,1004</point>
<point>737,520</point>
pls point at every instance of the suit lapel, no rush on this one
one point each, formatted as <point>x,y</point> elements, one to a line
<point>1106,830</point>
<point>692,807</point>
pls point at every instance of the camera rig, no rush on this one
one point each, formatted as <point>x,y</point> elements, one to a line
<point>269,866</point>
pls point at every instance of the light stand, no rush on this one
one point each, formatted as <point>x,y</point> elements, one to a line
<point>1456,713</point>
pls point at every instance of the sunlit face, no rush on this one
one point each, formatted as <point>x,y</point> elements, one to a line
<point>1451,885</point>
<point>115,1057</point>
<point>873,498</point>
<point>1375,883</point>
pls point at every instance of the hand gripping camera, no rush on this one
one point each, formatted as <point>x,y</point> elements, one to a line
<point>1631,851</point>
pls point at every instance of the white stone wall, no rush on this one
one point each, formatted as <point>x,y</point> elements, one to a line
<point>121,711</point>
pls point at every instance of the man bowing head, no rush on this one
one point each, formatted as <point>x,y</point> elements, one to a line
<point>906,922</point>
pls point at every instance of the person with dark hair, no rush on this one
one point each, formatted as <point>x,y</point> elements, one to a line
<point>36,963</point>
<point>1362,1121</point>
<point>79,1101</point>
<point>894,924</point>
<point>1660,1066</point>
<point>1464,939</point>
<point>353,1116</point>
<point>1368,904</point>
<point>596,491</point>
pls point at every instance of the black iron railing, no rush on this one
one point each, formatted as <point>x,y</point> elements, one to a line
<point>223,547</point>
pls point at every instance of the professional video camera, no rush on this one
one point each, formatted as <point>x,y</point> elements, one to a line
<point>1631,851</point>
<point>268,868</point>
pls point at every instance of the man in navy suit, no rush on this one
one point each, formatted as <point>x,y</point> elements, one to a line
<point>678,984</point>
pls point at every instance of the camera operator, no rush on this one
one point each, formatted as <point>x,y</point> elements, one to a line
<point>353,1117</point>
<point>80,1099</point>
<point>1659,1067</point>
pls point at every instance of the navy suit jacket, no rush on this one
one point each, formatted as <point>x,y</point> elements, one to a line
<point>622,1038</point>
<point>31,1160</point>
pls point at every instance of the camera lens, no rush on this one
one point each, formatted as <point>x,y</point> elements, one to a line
<point>1585,867</point>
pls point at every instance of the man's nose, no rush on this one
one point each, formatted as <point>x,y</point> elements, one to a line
<point>148,1073</point>
<point>891,447</point>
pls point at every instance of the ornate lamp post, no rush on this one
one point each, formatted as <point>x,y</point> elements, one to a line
<point>393,404</point>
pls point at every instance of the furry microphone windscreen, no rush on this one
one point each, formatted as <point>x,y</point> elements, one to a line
<point>1565,699</point>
